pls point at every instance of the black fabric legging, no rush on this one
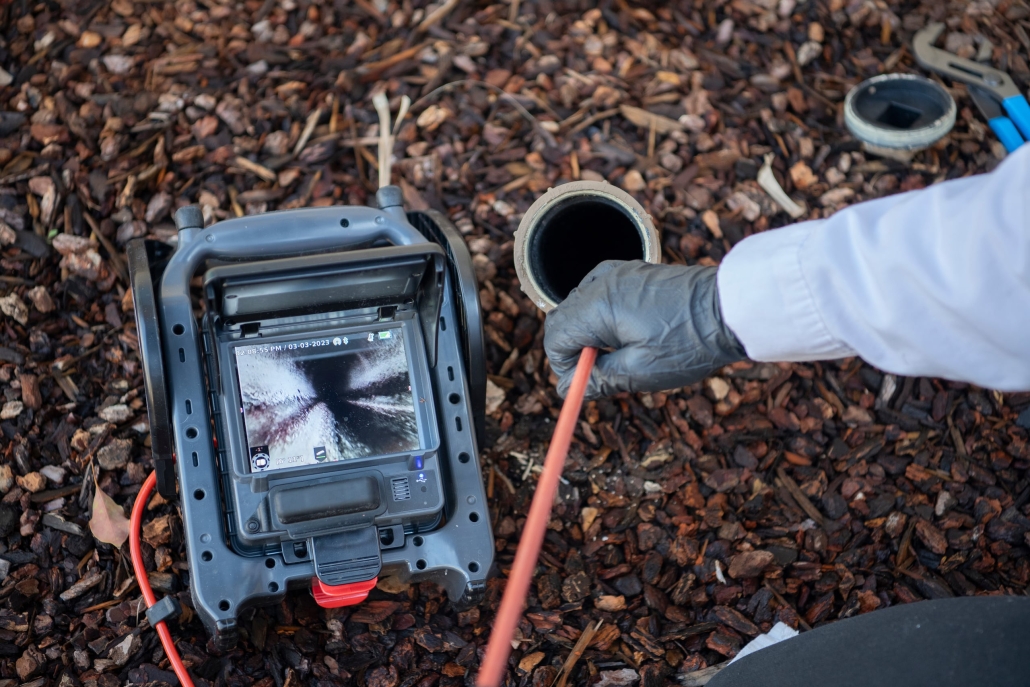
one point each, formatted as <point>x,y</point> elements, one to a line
<point>944,643</point>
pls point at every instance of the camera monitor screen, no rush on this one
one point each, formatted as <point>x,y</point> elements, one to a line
<point>312,401</point>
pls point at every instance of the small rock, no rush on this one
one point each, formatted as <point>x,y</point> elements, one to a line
<point>856,415</point>
<point>836,196</point>
<point>125,648</point>
<point>495,396</point>
<point>5,78</point>
<point>89,39</point>
<point>11,410</point>
<point>277,143</point>
<point>53,473</point>
<point>623,677</point>
<point>40,299</point>
<point>15,308</point>
<point>802,176</point>
<point>808,52</point>
<point>749,209</point>
<point>32,482</point>
<point>118,64</point>
<point>158,206</point>
<point>711,220</point>
<point>130,230</point>
<point>205,101</point>
<point>5,569</point>
<point>115,455</point>
<point>7,235</point>
<point>944,501</point>
<point>6,478</point>
<point>719,387</point>
<point>116,414</point>
<point>610,603</point>
<point>633,181</point>
<point>750,564</point>
<point>69,244</point>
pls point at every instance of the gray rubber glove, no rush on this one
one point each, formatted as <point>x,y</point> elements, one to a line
<point>664,323</point>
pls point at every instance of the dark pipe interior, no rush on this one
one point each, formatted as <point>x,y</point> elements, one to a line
<point>576,235</point>
<point>901,104</point>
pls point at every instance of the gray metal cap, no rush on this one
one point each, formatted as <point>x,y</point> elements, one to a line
<point>899,112</point>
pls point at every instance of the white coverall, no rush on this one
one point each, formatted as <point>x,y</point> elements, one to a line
<point>933,283</point>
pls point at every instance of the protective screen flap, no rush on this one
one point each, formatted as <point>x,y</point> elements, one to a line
<point>146,260</point>
<point>317,400</point>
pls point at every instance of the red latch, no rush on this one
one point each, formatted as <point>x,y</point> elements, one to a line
<point>334,596</point>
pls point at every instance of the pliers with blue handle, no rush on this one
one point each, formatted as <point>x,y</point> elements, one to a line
<point>993,91</point>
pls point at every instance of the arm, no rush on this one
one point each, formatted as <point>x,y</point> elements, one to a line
<point>933,282</point>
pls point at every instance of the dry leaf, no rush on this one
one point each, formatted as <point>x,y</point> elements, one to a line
<point>108,522</point>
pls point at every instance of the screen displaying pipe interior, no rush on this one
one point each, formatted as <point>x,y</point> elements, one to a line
<point>576,235</point>
<point>311,401</point>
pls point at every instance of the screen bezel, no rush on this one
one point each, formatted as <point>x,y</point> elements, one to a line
<point>425,411</point>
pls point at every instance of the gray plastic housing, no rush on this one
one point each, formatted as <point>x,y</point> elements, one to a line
<point>457,554</point>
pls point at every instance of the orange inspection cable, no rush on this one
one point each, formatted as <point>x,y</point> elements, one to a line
<point>135,524</point>
<point>499,648</point>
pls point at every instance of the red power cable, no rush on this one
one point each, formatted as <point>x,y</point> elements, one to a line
<point>499,648</point>
<point>135,524</point>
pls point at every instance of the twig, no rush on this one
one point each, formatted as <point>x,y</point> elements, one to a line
<point>768,182</point>
<point>22,176</point>
<point>437,15</point>
<point>305,135</point>
<point>382,105</point>
<point>593,119</point>
<point>114,257</point>
<point>902,560</point>
<point>254,168</point>
<point>779,597</point>
<point>577,651</point>
<point>401,113</point>
<point>800,498</point>
<point>504,480</point>
<point>502,94</point>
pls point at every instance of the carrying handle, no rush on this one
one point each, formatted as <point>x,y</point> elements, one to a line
<point>309,230</point>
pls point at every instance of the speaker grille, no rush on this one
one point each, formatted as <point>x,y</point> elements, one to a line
<point>401,488</point>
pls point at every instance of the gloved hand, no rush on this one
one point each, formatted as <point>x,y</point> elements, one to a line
<point>664,323</point>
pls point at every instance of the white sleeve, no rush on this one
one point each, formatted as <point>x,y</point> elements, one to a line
<point>932,283</point>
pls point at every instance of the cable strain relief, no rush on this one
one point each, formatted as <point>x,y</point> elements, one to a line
<point>165,609</point>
